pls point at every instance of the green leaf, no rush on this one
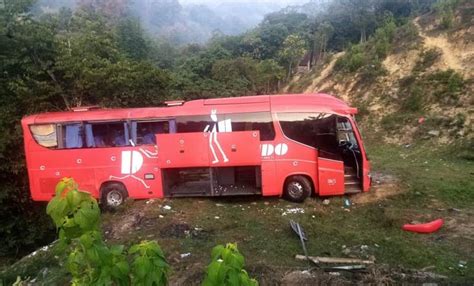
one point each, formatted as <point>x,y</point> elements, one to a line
<point>123,267</point>
<point>141,266</point>
<point>116,249</point>
<point>217,252</point>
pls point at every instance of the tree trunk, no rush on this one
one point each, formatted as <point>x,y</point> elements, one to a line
<point>289,72</point>
<point>363,36</point>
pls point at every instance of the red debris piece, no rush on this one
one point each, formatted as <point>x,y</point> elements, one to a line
<point>424,227</point>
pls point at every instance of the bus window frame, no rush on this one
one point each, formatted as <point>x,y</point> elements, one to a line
<point>272,121</point>
<point>127,121</point>
<point>147,120</point>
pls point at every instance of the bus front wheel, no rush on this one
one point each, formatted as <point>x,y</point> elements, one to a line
<point>113,195</point>
<point>297,188</point>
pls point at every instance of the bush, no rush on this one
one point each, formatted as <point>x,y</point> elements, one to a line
<point>90,261</point>
<point>226,268</point>
<point>448,85</point>
<point>445,9</point>
<point>352,60</point>
<point>426,59</point>
<point>414,101</point>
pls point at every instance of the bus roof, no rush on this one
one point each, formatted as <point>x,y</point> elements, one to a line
<point>277,103</point>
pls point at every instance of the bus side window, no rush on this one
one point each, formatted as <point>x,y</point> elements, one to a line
<point>45,135</point>
<point>317,130</point>
<point>145,131</point>
<point>194,123</point>
<point>261,121</point>
<point>73,135</point>
<point>110,134</point>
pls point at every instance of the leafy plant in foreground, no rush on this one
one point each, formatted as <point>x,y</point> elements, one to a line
<point>91,262</point>
<point>227,267</point>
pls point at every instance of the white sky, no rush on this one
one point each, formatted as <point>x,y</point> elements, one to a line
<point>213,2</point>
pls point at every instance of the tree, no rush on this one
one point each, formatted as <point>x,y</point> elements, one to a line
<point>294,48</point>
<point>269,75</point>
<point>132,40</point>
<point>321,38</point>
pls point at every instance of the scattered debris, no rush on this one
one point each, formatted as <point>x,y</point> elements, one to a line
<point>219,205</point>
<point>167,207</point>
<point>434,133</point>
<point>347,203</point>
<point>299,231</point>
<point>336,260</point>
<point>150,201</point>
<point>455,210</point>
<point>293,211</point>
<point>184,255</point>
<point>346,267</point>
<point>424,227</point>
<point>217,217</point>
<point>326,202</point>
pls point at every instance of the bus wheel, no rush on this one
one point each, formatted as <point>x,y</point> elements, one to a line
<point>297,189</point>
<point>113,195</point>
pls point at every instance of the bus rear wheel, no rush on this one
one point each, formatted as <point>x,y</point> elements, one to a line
<point>297,189</point>
<point>113,195</point>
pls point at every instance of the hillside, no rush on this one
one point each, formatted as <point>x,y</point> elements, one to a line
<point>424,87</point>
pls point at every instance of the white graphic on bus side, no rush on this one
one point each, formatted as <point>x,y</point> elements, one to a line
<point>223,125</point>
<point>280,149</point>
<point>132,162</point>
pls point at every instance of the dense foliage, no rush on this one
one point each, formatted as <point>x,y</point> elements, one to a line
<point>99,53</point>
<point>91,261</point>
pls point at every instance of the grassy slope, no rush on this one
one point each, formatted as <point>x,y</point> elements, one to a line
<point>432,182</point>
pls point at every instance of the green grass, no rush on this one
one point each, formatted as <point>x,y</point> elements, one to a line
<point>432,181</point>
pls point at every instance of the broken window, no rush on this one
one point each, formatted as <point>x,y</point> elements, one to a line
<point>317,130</point>
<point>45,135</point>
<point>261,121</point>
<point>196,123</point>
<point>345,133</point>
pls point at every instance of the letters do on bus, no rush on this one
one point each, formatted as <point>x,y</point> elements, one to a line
<point>279,145</point>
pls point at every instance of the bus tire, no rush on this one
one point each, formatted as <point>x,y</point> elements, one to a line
<point>297,188</point>
<point>113,195</point>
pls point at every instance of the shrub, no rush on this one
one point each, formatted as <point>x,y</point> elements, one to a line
<point>447,84</point>
<point>91,262</point>
<point>445,9</point>
<point>352,60</point>
<point>426,59</point>
<point>414,101</point>
<point>226,267</point>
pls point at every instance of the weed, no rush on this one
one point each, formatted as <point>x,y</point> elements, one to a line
<point>426,59</point>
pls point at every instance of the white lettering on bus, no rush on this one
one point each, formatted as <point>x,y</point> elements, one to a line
<point>280,149</point>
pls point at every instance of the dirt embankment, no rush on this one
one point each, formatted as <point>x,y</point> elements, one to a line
<point>454,50</point>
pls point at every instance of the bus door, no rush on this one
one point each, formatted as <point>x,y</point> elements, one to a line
<point>330,161</point>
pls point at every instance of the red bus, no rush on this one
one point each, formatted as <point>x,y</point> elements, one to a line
<point>272,145</point>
